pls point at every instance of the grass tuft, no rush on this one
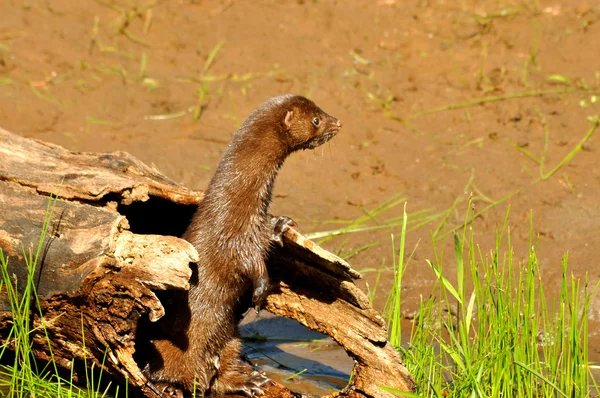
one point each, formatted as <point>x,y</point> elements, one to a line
<point>495,332</point>
<point>26,376</point>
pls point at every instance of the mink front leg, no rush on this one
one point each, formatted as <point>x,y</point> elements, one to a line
<point>261,281</point>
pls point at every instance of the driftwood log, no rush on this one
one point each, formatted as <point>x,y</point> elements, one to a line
<point>112,243</point>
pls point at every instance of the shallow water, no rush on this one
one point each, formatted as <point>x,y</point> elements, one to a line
<point>295,356</point>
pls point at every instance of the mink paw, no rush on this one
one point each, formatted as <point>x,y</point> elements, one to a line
<point>261,288</point>
<point>166,390</point>
<point>280,225</point>
<point>252,385</point>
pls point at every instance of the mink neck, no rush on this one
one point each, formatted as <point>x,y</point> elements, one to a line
<point>239,194</point>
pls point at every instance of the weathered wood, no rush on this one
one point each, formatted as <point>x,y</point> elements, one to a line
<point>107,251</point>
<point>316,288</point>
<point>89,176</point>
<point>94,279</point>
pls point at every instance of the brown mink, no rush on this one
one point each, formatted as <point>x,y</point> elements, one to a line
<point>232,232</point>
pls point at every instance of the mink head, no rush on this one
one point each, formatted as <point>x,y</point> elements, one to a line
<point>305,125</point>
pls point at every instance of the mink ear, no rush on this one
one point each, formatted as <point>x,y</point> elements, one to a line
<point>288,119</point>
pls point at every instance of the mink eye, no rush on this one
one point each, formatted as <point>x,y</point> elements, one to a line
<point>316,122</point>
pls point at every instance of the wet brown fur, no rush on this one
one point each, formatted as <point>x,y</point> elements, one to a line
<point>232,232</point>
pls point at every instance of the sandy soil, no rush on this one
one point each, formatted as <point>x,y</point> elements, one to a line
<point>127,75</point>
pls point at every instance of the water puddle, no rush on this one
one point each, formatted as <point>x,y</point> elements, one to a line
<point>298,358</point>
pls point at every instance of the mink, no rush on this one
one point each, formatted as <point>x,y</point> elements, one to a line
<point>232,232</point>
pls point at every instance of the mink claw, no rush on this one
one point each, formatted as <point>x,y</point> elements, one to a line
<point>165,390</point>
<point>251,392</point>
<point>257,379</point>
<point>261,289</point>
<point>280,225</point>
<point>252,386</point>
<point>154,389</point>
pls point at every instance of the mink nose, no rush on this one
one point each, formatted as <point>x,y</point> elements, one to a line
<point>338,123</point>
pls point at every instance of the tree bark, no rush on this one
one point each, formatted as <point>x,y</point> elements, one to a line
<point>110,242</point>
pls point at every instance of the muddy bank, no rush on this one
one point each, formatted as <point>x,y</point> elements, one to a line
<point>170,81</point>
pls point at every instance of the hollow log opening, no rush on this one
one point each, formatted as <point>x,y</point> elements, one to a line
<point>157,216</point>
<point>289,353</point>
